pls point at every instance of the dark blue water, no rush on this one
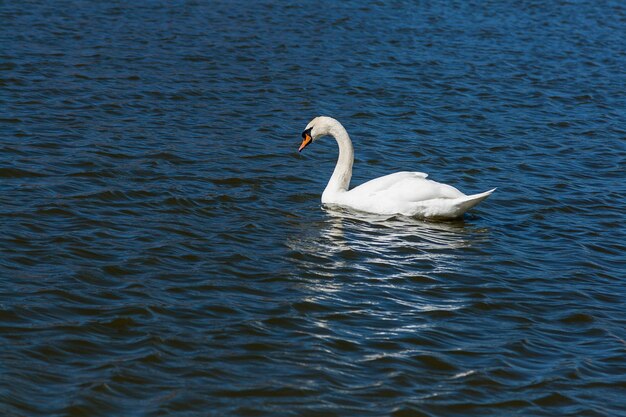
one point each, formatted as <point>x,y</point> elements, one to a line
<point>163,247</point>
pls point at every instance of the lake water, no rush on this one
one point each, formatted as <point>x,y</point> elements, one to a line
<point>163,247</point>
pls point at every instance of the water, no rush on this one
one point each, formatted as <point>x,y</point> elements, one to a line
<point>163,248</point>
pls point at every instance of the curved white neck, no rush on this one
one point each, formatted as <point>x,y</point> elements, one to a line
<point>340,180</point>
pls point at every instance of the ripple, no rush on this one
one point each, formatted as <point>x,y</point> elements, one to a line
<point>18,173</point>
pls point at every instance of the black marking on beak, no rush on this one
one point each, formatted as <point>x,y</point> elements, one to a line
<point>307,132</point>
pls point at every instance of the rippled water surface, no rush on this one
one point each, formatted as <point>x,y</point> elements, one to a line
<point>163,247</point>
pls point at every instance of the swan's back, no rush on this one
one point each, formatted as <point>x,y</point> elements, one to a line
<point>404,187</point>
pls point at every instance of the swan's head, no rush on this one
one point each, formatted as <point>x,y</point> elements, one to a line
<point>318,127</point>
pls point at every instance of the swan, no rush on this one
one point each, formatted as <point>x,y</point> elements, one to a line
<point>404,193</point>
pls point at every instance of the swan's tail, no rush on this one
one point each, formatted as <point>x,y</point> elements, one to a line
<point>469,201</point>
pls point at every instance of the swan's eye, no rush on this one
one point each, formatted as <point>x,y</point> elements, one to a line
<point>307,132</point>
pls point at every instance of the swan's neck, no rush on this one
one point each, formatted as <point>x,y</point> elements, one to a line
<point>340,180</point>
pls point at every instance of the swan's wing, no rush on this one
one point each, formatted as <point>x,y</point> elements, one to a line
<point>386,182</point>
<point>403,187</point>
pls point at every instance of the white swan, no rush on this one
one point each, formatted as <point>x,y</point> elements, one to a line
<point>405,193</point>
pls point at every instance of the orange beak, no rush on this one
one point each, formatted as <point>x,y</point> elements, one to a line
<point>306,139</point>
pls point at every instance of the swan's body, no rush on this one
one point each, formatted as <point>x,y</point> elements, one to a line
<point>405,193</point>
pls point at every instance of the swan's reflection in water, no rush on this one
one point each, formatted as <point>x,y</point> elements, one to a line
<point>381,284</point>
<point>393,246</point>
<point>382,273</point>
<point>398,257</point>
